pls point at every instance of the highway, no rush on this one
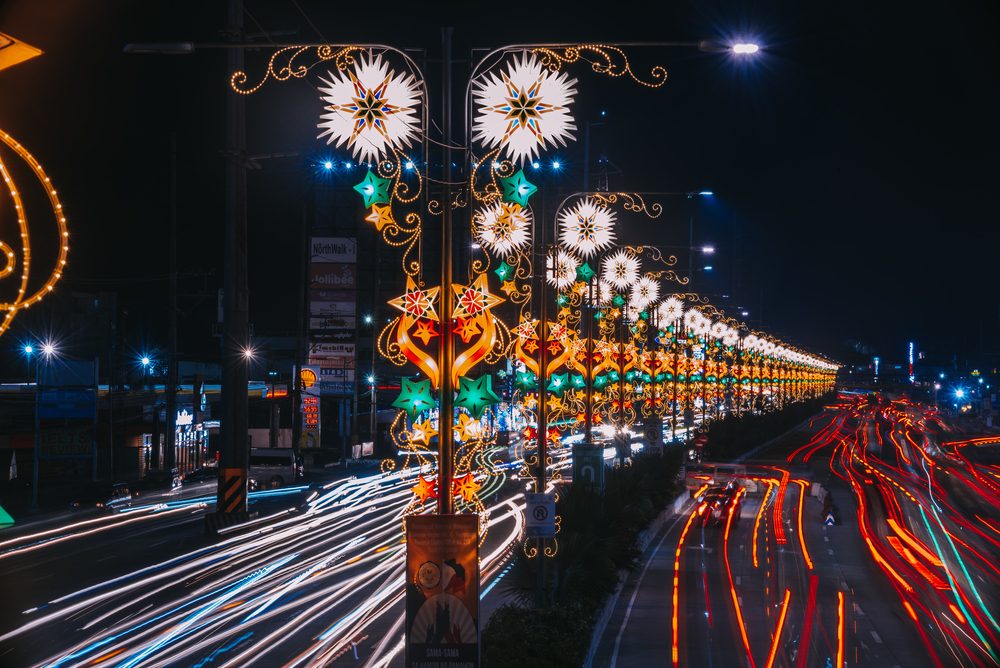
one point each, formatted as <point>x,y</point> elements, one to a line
<point>904,579</point>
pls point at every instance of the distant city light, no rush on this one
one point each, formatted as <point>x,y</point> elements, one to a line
<point>28,349</point>
<point>328,165</point>
<point>536,164</point>
<point>603,113</point>
<point>409,164</point>
<point>708,250</point>
<point>941,375</point>
<point>347,165</point>
<point>937,386</point>
<point>475,246</point>
<point>708,267</point>
<point>744,313</point>
<point>745,48</point>
<point>706,193</point>
<point>556,164</point>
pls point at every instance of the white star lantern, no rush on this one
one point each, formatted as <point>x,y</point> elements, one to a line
<point>503,227</point>
<point>370,108</point>
<point>525,109</point>
<point>561,269</point>
<point>644,292</point>
<point>587,227</point>
<point>670,311</point>
<point>621,269</point>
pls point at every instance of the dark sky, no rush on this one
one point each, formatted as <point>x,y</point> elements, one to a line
<point>854,162</point>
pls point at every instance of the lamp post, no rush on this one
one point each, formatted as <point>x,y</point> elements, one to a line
<point>47,350</point>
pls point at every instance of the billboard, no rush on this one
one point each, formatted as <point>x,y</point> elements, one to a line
<point>333,249</point>
<point>442,591</point>
<point>333,276</point>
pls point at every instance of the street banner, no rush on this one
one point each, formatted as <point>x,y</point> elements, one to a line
<point>333,249</point>
<point>442,591</point>
<point>309,383</point>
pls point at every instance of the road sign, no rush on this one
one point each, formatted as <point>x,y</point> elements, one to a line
<point>540,515</point>
<point>588,466</point>
<point>829,521</point>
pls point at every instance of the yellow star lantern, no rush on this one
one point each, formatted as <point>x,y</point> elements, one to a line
<point>467,429</point>
<point>419,314</point>
<point>425,489</point>
<point>422,432</point>
<point>381,215</point>
<point>466,486</point>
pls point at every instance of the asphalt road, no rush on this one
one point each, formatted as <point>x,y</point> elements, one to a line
<point>880,588</point>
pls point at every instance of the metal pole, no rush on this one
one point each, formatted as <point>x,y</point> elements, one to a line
<point>171,446</point>
<point>588,424</point>
<point>447,349</point>
<point>235,453</point>
<point>34,469</point>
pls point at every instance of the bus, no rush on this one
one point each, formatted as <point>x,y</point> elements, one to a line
<point>273,467</point>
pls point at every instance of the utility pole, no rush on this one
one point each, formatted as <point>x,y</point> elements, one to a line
<point>234,455</point>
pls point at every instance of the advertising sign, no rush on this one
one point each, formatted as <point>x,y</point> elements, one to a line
<point>309,383</point>
<point>330,349</point>
<point>55,443</point>
<point>540,515</point>
<point>339,335</point>
<point>442,591</point>
<point>332,277</point>
<point>332,309</point>
<point>333,249</point>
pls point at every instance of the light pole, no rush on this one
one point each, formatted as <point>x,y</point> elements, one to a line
<point>47,351</point>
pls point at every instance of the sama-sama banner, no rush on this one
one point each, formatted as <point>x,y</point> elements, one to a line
<point>442,591</point>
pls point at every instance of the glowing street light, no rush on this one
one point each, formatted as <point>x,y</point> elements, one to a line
<point>48,349</point>
<point>328,165</point>
<point>144,361</point>
<point>249,353</point>
<point>745,48</point>
<point>959,393</point>
<point>708,250</point>
<point>28,349</point>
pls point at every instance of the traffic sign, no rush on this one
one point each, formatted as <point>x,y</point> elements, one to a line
<point>829,521</point>
<point>540,515</point>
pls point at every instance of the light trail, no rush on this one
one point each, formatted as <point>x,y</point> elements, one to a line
<point>777,631</point>
<point>802,535</point>
<point>729,574</point>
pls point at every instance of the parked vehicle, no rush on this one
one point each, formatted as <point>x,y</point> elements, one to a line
<point>273,467</point>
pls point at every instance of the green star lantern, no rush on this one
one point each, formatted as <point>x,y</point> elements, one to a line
<point>504,271</point>
<point>559,383</point>
<point>518,189</point>
<point>414,397</point>
<point>577,381</point>
<point>476,395</point>
<point>526,381</point>
<point>584,272</point>
<point>373,189</point>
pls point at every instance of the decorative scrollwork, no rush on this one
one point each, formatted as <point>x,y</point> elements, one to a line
<point>631,202</point>
<point>604,59</point>
<point>282,65</point>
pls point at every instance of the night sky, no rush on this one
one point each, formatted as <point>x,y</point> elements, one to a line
<point>854,162</point>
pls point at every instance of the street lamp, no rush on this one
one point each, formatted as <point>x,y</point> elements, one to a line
<point>745,48</point>
<point>48,352</point>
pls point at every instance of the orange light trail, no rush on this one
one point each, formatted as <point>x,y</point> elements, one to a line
<point>732,587</point>
<point>779,502</point>
<point>840,629</point>
<point>756,522</point>
<point>677,586</point>
<point>802,536</point>
<point>912,541</point>
<point>777,631</point>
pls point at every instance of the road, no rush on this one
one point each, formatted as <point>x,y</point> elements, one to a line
<point>904,579</point>
<point>316,579</point>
